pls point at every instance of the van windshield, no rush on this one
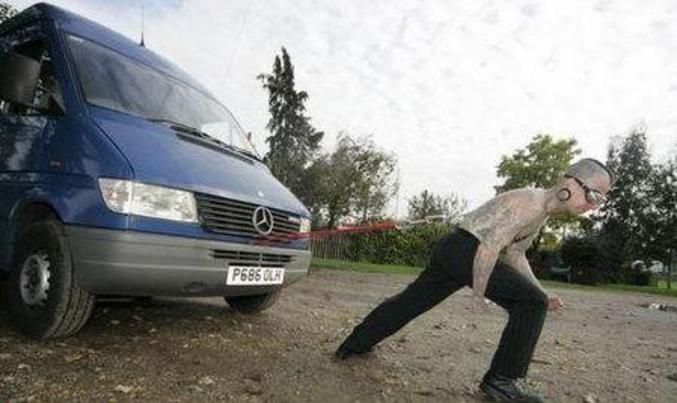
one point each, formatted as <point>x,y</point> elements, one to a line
<point>112,80</point>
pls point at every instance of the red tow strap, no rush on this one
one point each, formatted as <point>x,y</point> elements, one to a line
<point>326,233</point>
<point>350,229</point>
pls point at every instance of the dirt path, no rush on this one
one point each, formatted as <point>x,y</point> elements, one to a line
<point>603,346</point>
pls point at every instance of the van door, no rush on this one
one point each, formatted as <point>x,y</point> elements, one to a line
<point>23,129</point>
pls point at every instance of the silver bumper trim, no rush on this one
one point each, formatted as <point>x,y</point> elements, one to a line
<point>136,263</point>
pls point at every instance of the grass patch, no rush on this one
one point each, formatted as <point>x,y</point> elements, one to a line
<point>365,267</point>
<point>649,290</point>
<point>664,283</point>
<point>614,288</point>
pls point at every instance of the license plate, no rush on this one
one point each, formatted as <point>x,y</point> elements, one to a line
<point>244,275</point>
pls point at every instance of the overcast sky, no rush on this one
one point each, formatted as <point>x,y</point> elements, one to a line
<point>448,87</point>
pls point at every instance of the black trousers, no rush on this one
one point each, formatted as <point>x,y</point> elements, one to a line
<point>449,269</point>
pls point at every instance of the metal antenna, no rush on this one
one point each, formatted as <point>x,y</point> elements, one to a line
<point>243,24</point>
<point>142,44</point>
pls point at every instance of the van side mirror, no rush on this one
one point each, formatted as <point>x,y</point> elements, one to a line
<point>18,78</point>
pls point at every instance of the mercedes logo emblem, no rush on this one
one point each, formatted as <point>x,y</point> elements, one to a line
<point>263,220</point>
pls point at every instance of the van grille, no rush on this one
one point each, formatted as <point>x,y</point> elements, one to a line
<point>234,217</point>
<point>252,258</point>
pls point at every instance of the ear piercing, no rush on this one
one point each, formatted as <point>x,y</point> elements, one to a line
<point>564,194</point>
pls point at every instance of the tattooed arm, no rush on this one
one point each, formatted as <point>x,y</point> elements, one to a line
<point>483,265</point>
<point>515,257</point>
<point>496,224</point>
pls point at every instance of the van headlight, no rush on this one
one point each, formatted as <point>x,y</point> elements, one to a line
<point>305,225</point>
<point>128,197</point>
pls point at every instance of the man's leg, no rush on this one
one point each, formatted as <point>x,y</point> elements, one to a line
<point>448,270</point>
<point>527,306</point>
<point>429,289</point>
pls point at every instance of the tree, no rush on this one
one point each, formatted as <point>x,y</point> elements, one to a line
<point>583,257</point>
<point>663,213</point>
<point>357,180</point>
<point>334,192</point>
<point>311,189</point>
<point>6,11</point>
<point>376,185</point>
<point>626,222</point>
<point>540,164</point>
<point>293,141</point>
<point>427,204</point>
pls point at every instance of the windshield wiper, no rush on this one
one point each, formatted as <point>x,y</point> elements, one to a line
<point>181,127</point>
<point>196,132</point>
<point>231,147</point>
<point>245,152</point>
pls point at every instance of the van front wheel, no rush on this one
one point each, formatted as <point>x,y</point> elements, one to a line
<point>43,299</point>
<point>253,303</point>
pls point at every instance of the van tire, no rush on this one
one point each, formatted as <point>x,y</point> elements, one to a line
<point>253,303</point>
<point>51,304</point>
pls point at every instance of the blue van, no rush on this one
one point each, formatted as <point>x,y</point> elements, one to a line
<point>121,175</point>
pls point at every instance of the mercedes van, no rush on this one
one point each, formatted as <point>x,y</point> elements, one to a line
<point>121,175</point>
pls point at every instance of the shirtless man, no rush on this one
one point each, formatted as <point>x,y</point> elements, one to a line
<point>487,252</point>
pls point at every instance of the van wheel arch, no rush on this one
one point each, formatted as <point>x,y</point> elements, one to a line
<point>42,296</point>
<point>23,216</point>
<point>252,304</point>
<point>30,212</point>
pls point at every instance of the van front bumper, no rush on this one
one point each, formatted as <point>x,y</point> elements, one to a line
<point>134,263</point>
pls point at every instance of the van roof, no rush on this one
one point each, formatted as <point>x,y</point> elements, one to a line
<point>88,29</point>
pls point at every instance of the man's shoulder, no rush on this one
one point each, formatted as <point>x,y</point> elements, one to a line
<point>512,200</point>
<point>499,219</point>
<point>521,198</point>
<point>526,194</point>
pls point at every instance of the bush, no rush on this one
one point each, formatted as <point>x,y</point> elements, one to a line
<point>615,255</point>
<point>547,260</point>
<point>411,247</point>
<point>584,257</point>
<point>636,277</point>
<point>636,273</point>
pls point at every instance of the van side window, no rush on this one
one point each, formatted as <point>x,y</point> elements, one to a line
<point>48,99</point>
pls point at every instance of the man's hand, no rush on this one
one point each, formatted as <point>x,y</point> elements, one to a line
<point>479,304</point>
<point>555,303</point>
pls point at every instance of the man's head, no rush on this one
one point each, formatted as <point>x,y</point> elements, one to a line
<point>585,186</point>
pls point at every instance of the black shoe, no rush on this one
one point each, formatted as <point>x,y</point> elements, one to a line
<point>502,389</point>
<point>344,352</point>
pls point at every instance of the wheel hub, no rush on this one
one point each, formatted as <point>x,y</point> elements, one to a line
<point>35,275</point>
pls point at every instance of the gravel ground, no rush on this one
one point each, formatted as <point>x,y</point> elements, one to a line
<point>603,347</point>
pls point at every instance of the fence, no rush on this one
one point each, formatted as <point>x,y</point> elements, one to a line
<point>665,281</point>
<point>668,277</point>
<point>334,247</point>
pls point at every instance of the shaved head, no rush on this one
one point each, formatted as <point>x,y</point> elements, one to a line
<point>589,170</point>
<point>582,179</point>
